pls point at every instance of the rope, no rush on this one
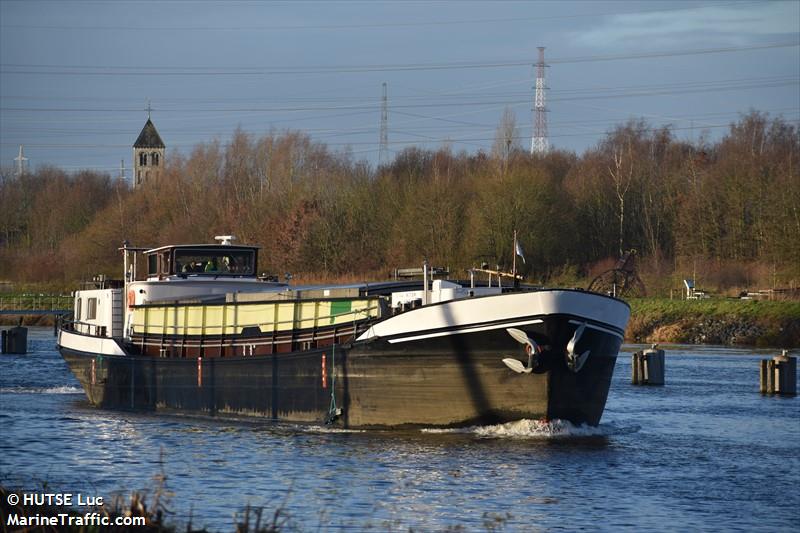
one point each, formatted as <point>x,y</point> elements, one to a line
<point>333,411</point>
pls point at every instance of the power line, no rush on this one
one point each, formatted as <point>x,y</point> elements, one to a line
<point>461,140</point>
<point>509,101</point>
<point>109,70</point>
<point>370,25</point>
<point>449,95</point>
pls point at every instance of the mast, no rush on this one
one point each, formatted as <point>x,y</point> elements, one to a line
<point>514,256</point>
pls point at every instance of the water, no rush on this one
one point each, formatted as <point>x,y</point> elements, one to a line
<point>705,452</point>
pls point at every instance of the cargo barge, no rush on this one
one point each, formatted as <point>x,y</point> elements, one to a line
<point>202,334</point>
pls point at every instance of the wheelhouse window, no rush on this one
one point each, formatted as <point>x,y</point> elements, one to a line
<point>78,308</point>
<point>215,262</point>
<point>91,308</point>
<point>165,263</point>
<point>152,265</point>
<point>159,264</point>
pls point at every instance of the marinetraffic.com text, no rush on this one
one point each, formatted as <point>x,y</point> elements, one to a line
<point>23,512</point>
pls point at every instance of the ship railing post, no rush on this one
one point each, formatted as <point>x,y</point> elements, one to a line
<point>202,330</point>
<point>164,317</point>
<point>185,331</point>
<point>425,282</point>
<point>222,331</point>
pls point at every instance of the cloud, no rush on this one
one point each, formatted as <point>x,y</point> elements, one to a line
<point>728,24</point>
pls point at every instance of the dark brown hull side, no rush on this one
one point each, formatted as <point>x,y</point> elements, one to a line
<point>455,380</point>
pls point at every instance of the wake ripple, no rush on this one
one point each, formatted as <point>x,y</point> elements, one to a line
<point>540,429</point>
<point>328,429</point>
<point>66,389</point>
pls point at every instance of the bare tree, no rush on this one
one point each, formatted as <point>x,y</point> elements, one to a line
<point>622,178</point>
<point>505,141</point>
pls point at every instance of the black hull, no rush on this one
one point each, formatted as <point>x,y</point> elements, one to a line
<point>445,381</point>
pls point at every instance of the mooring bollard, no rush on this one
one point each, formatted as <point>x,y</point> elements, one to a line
<point>15,340</point>
<point>779,375</point>
<point>648,366</point>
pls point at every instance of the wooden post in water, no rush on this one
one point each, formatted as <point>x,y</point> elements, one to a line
<point>636,368</point>
<point>765,381</point>
<point>654,363</point>
<point>779,375</point>
<point>15,340</point>
<point>647,367</point>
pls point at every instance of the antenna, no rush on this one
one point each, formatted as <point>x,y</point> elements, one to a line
<point>383,150</point>
<point>225,240</point>
<point>21,159</point>
<point>539,143</point>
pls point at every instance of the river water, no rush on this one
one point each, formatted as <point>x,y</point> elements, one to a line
<point>705,452</point>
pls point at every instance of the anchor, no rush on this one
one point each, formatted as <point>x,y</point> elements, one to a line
<point>531,348</point>
<point>575,362</point>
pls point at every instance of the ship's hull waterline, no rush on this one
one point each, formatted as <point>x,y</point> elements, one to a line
<point>445,379</point>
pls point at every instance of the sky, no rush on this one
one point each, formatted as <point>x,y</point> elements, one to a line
<point>76,78</point>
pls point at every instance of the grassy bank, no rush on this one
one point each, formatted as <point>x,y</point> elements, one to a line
<point>715,321</point>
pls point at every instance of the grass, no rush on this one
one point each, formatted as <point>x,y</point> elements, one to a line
<point>715,321</point>
<point>672,309</point>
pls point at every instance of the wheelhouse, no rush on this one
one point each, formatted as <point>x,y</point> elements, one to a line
<point>202,260</point>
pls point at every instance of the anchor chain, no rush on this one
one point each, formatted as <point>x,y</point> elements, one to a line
<point>334,412</point>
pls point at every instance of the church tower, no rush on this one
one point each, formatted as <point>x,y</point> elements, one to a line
<point>148,155</point>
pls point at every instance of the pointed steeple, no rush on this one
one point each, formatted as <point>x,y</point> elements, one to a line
<point>149,137</point>
<point>149,154</point>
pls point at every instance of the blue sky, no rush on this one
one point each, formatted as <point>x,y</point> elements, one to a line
<point>75,77</point>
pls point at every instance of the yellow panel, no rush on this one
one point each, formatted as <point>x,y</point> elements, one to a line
<point>285,316</point>
<point>155,318</point>
<point>213,320</point>
<point>194,320</point>
<point>181,320</point>
<point>230,319</point>
<point>256,315</point>
<point>306,315</point>
<point>138,320</point>
<point>238,317</point>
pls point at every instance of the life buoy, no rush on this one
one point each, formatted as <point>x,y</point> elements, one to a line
<point>131,298</point>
